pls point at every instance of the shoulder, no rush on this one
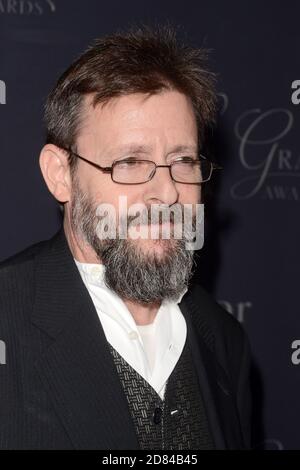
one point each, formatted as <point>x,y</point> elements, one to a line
<point>23,259</point>
<point>17,278</point>
<point>221,331</point>
<point>221,322</point>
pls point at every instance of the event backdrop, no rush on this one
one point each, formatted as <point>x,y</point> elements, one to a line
<point>250,260</point>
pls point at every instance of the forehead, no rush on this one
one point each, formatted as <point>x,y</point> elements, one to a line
<point>144,119</point>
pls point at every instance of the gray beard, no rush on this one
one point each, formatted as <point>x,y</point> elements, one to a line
<point>129,272</point>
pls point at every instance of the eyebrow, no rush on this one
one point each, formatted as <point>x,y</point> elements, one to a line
<point>135,148</point>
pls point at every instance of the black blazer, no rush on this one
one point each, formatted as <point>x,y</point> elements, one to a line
<point>59,388</point>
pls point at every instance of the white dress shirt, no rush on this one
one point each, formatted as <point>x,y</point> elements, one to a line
<point>152,350</point>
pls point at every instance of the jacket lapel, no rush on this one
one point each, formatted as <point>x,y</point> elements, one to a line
<point>215,386</point>
<point>77,368</point>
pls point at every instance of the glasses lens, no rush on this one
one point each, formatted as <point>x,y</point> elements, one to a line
<point>191,172</point>
<point>132,171</point>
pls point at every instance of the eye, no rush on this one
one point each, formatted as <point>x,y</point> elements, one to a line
<point>127,162</point>
<point>185,158</point>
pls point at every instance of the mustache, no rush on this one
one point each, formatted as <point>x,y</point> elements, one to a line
<point>155,215</point>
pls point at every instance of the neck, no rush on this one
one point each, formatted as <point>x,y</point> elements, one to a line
<point>143,315</point>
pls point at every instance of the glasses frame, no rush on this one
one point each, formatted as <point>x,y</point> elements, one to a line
<point>109,169</point>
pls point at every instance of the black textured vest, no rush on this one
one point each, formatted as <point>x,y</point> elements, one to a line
<point>176,423</point>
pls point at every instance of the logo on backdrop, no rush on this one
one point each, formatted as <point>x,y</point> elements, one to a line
<point>272,170</point>
<point>239,309</point>
<point>2,92</point>
<point>2,353</point>
<point>223,103</point>
<point>27,7</point>
<point>295,97</point>
<point>295,357</point>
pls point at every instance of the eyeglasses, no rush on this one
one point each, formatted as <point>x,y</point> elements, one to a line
<point>130,170</point>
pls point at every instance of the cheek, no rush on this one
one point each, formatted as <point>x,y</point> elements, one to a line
<point>189,194</point>
<point>103,190</point>
<point>118,197</point>
<point>128,195</point>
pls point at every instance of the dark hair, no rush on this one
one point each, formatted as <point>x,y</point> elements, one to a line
<point>142,59</point>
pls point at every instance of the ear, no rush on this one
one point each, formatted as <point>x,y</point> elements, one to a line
<point>55,169</point>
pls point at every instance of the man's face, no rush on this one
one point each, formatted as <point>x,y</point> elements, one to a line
<point>160,128</point>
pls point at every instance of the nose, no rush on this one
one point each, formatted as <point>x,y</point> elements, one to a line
<point>161,187</point>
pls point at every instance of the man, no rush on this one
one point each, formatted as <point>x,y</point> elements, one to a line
<point>108,345</point>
